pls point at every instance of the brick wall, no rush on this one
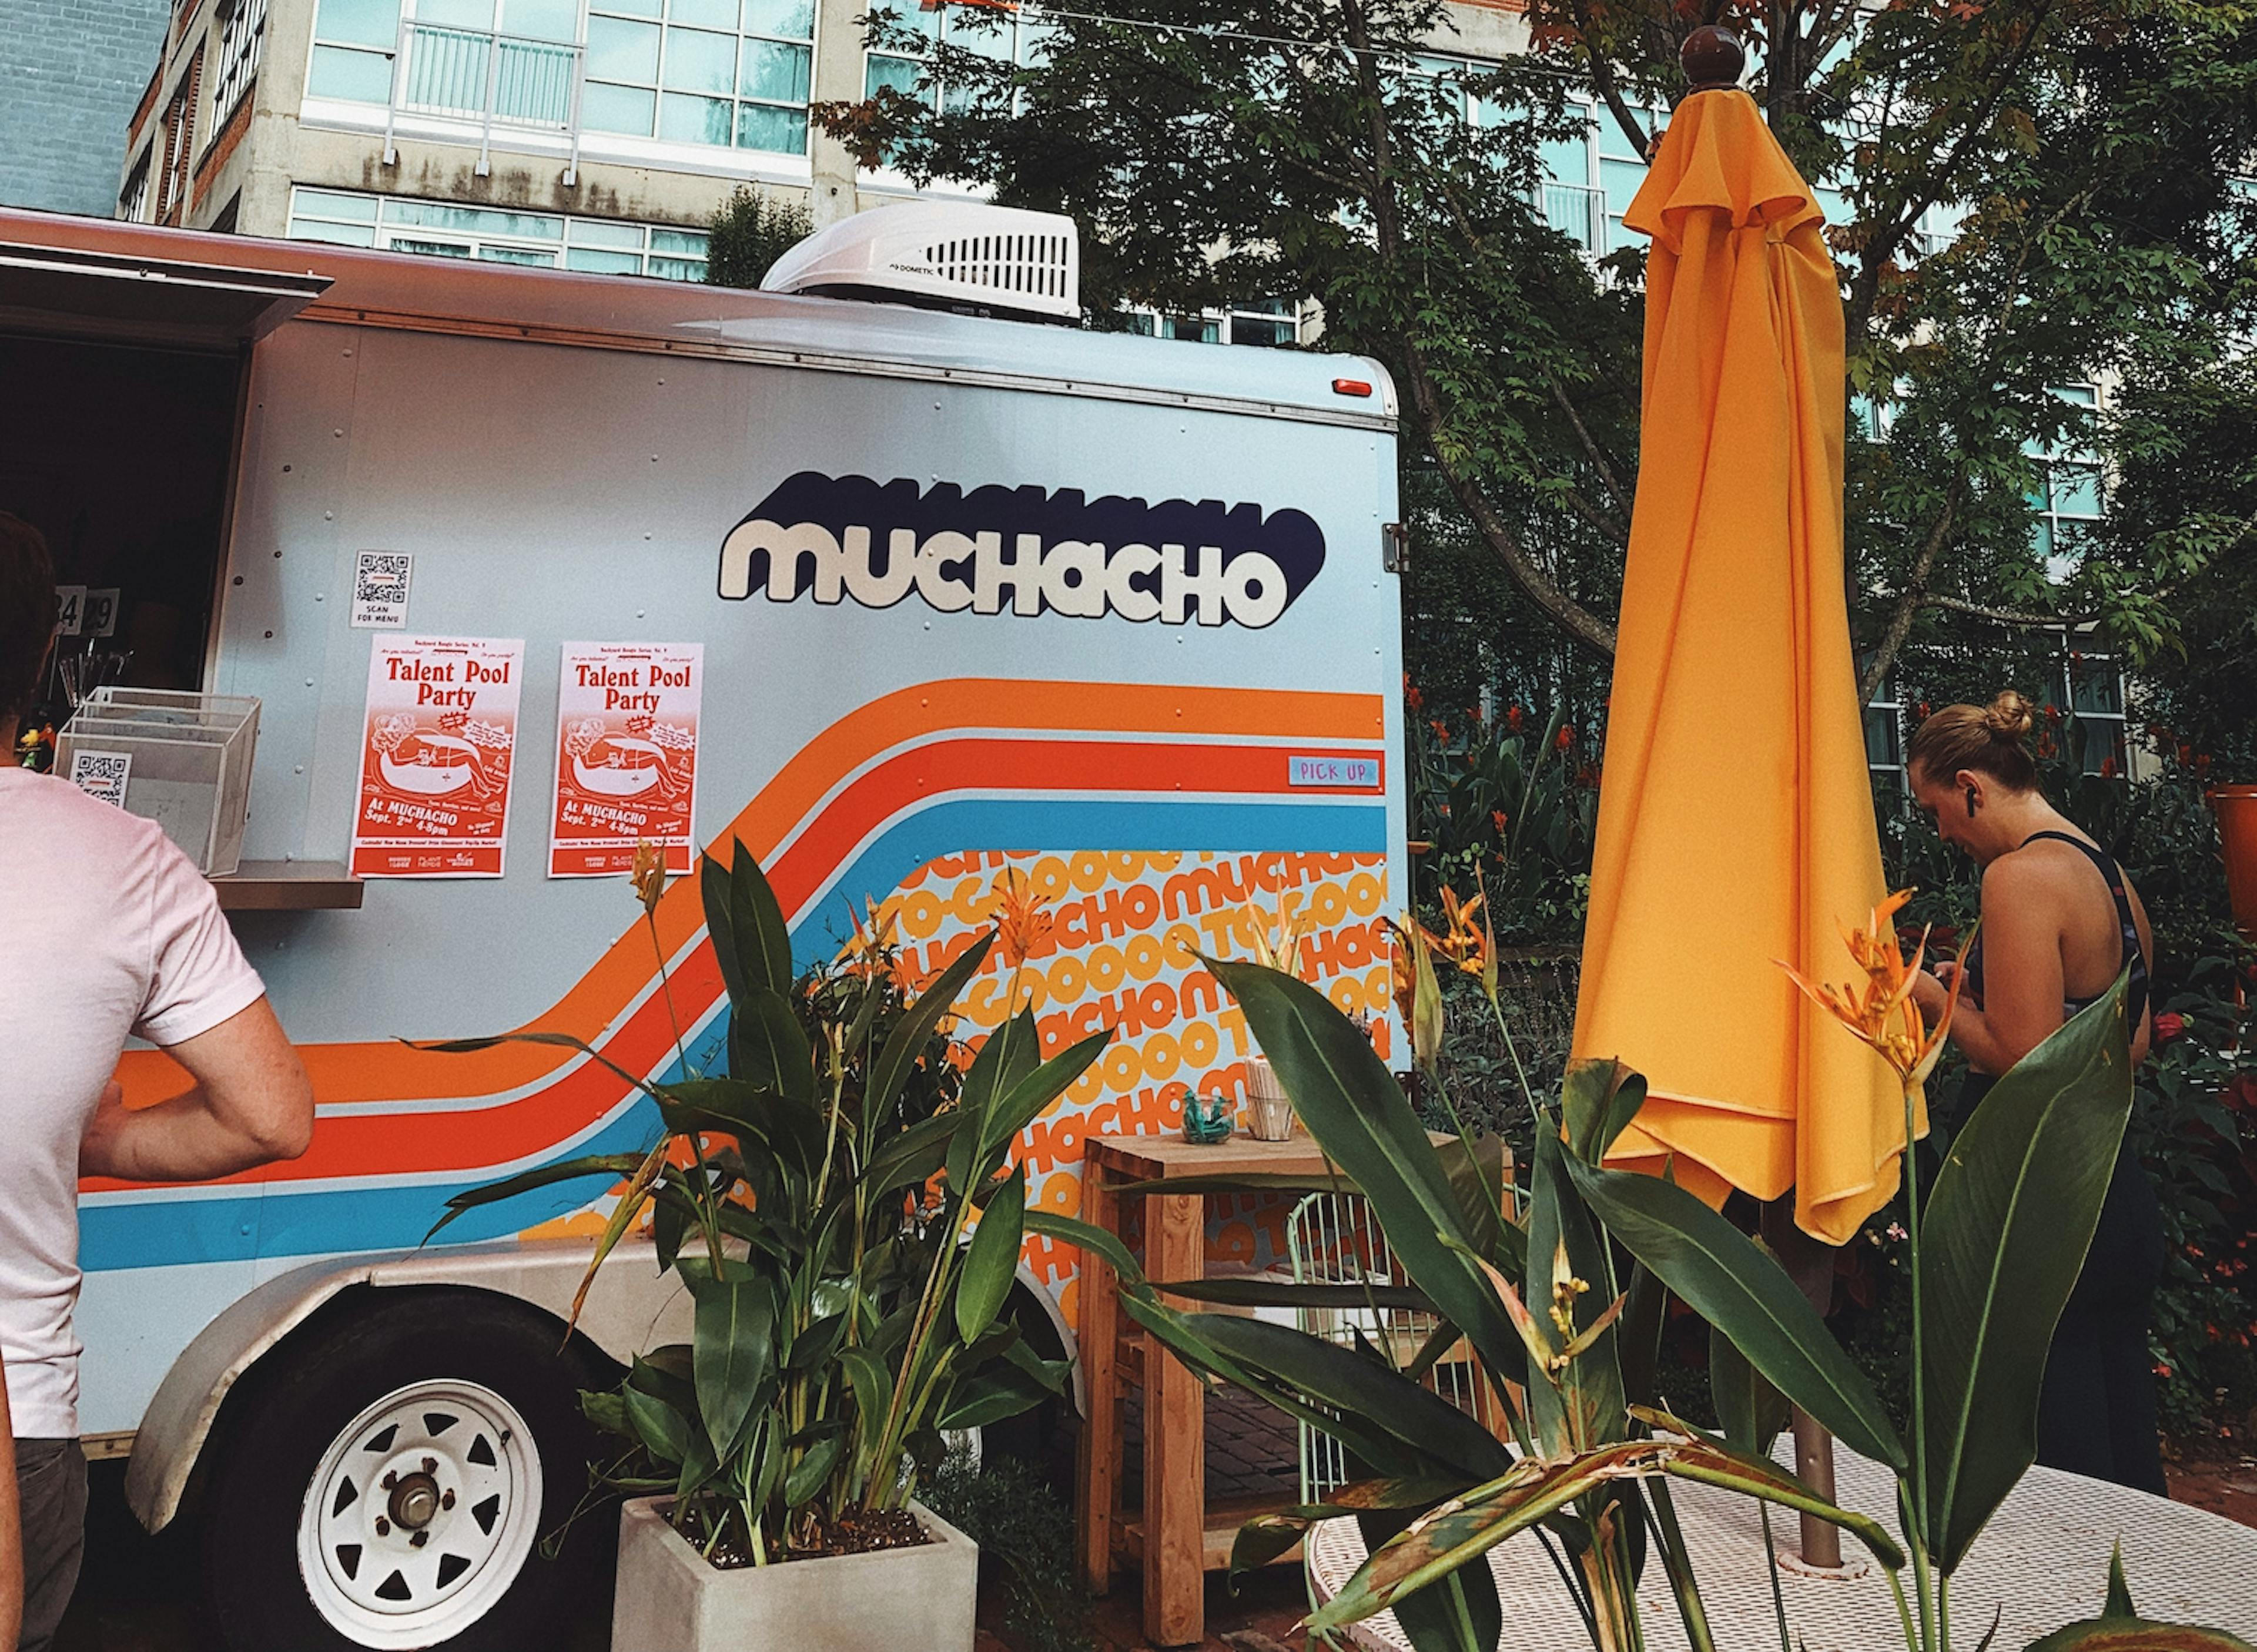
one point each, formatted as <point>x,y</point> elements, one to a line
<point>71,72</point>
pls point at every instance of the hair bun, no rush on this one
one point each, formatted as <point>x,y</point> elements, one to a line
<point>2010,716</point>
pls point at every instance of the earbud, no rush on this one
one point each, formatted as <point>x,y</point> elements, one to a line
<point>1971,802</point>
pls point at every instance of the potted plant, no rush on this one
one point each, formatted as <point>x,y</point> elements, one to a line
<point>1562,1303</point>
<point>842,1211</point>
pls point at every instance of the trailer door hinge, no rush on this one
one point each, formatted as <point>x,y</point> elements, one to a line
<point>1394,547</point>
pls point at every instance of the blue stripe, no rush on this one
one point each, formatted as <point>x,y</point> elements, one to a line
<point>162,1231</point>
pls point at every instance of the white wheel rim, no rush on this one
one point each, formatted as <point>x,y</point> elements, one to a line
<point>449,1462</point>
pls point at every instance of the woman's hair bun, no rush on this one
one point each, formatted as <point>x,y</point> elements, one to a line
<point>2010,716</point>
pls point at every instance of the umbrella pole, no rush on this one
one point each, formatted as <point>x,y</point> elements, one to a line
<point>1810,1265</point>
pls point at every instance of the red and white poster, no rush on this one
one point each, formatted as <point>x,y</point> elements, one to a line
<point>435,749</point>
<point>626,755</point>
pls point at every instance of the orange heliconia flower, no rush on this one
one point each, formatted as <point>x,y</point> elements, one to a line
<point>1463,941</point>
<point>1022,926</point>
<point>648,875</point>
<point>866,950</point>
<point>1283,954</point>
<point>1881,1011</point>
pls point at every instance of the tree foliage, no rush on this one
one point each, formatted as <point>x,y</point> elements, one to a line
<point>750,231</point>
<point>2086,149</point>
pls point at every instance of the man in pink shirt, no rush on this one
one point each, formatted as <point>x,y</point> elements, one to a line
<point>107,931</point>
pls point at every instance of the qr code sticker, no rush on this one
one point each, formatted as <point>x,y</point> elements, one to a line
<point>102,774</point>
<point>380,581</point>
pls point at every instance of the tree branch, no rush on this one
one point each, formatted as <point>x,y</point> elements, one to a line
<point>1591,448</point>
<point>1570,616</point>
<point>2008,616</point>
<point>1910,599</point>
<point>1603,77</point>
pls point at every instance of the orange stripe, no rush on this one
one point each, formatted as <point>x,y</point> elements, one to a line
<point>384,1070</point>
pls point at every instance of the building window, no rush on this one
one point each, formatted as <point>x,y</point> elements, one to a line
<point>992,29</point>
<point>353,44</point>
<point>133,205</point>
<point>1270,323</point>
<point>1884,748</point>
<point>2089,689</point>
<point>702,72</point>
<point>241,32</point>
<point>179,141</point>
<point>2065,502</point>
<point>549,241</point>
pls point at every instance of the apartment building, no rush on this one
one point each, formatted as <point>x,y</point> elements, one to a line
<point>585,134</point>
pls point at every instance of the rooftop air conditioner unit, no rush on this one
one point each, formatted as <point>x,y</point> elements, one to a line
<point>962,255</point>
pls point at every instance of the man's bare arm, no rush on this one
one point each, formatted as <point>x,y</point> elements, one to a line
<point>11,1537</point>
<point>252,1104</point>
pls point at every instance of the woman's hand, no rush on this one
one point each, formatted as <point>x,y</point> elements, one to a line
<point>1932,993</point>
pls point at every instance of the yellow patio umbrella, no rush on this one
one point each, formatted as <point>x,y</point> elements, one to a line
<point>1735,822</point>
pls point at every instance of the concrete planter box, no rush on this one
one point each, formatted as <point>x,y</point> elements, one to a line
<point>918,1599</point>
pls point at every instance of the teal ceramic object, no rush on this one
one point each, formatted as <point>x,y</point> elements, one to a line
<point>1207,1122</point>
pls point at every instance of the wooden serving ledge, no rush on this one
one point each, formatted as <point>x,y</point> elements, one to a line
<point>289,886</point>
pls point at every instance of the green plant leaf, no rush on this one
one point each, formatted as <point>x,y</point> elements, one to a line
<point>1004,1392</point>
<point>912,1155</point>
<point>914,1028</point>
<point>663,1430</point>
<point>805,1478</point>
<point>1089,1237</point>
<point>1256,1291</point>
<point>2002,1240</point>
<point>756,926</point>
<point>615,1166</point>
<point>991,1259</point>
<point>2119,1602</point>
<point>1464,1613</point>
<point>1721,1274</point>
<point>1354,1383</point>
<point>767,1047</point>
<point>2137,1635</point>
<point>1586,1407</point>
<point>1361,1118</point>
<point>1374,1446</point>
<point>1026,1100</point>
<point>1752,1411</point>
<point>732,1352</point>
<point>1598,1099</point>
<point>1534,1490</point>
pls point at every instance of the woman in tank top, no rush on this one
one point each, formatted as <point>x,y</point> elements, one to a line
<point>2060,922</point>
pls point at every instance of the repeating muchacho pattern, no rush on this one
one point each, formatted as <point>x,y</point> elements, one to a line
<point>1126,932</point>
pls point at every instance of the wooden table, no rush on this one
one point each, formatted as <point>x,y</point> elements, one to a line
<point>1176,1538</point>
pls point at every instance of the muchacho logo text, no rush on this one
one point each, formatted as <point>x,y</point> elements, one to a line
<point>1020,550</point>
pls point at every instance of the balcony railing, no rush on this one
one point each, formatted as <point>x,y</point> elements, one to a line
<point>1577,212</point>
<point>488,78</point>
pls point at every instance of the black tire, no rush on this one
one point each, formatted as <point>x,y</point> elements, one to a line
<point>281,1429</point>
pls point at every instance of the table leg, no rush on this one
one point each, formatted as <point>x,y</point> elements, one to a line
<point>1098,1461</point>
<point>1175,1443</point>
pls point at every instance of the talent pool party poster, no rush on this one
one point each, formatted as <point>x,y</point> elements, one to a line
<point>626,756</point>
<point>436,743</point>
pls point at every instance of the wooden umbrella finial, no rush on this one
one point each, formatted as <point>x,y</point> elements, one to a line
<point>1713,58</point>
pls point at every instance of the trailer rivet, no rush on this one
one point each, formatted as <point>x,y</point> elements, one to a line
<point>338,431</point>
<point>278,556</point>
<point>239,580</point>
<point>270,636</point>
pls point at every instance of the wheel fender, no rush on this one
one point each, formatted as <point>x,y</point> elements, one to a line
<point>631,1309</point>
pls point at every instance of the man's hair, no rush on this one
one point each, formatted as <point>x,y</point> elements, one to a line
<point>27,613</point>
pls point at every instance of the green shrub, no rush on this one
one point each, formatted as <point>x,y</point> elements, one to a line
<point>1023,1529</point>
<point>751,231</point>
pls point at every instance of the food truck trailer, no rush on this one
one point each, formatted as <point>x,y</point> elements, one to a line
<point>524,565</point>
